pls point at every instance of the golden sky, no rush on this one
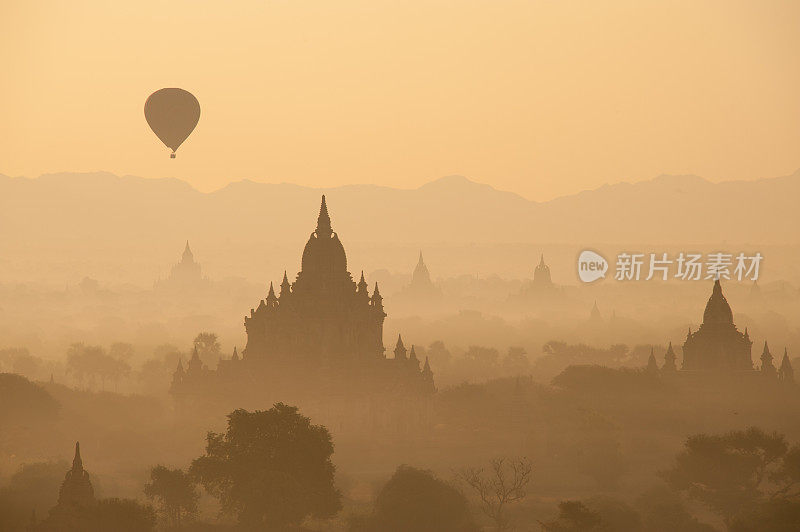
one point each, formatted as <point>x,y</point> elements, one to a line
<point>543,98</point>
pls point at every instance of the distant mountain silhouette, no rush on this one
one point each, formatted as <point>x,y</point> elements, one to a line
<point>112,210</point>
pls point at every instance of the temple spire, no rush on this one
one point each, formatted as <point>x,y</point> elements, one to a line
<point>77,463</point>
<point>324,220</point>
<point>286,287</point>
<point>188,256</point>
<point>400,349</point>
<point>767,365</point>
<point>786,372</point>
<point>362,287</point>
<point>377,299</point>
<point>652,365</point>
<point>669,359</point>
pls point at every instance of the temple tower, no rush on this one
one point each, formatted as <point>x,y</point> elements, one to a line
<point>717,344</point>
<point>76,490</point>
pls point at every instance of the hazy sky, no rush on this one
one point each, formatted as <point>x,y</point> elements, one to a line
<point>543,98</point>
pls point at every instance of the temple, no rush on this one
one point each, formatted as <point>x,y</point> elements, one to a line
<point>541,287</point>
<point>185,274</point>
<point>421,289</point>
<point>718,347</point>
<point>318,337</point>
<point>323,317</point>
<point>717,344</point>
<point>76,490</point>
<point>541,275</point>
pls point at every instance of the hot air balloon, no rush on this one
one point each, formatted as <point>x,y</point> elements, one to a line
<point>172,114</point>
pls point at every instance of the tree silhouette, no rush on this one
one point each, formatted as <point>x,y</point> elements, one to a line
<point>121,515</point>
<point>29,490</point>
<point>207,345</point>
<point>516,361</point>
<point>736,471</point>
<point>24,403</point>
<point>574,516</point>
<point>88,361</point>
<point>414,499</point>
<point>503,484</point>
<point>175,492</point>
<point>270,468</point>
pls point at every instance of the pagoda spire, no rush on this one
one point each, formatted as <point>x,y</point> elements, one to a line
<point>188,256</point>
<point>652,365</point>
<point>362,288</point>
<point>595,314</point>
<point>195,364</point>
<point>767,366</point>
<point>400,349</point>
<point>786,372</point>
<point>77,463</point>
<point>235,354</point>
<point>76,490</point>
<point>669,359</point>
<point>377,300</point>
<point>324,228</point>
<point>427,377</point>
<point>286,286</point>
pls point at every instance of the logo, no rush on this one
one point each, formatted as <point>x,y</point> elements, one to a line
<point>591,266</point>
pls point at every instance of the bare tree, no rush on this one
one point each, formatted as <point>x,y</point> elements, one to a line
<point>503,484</point>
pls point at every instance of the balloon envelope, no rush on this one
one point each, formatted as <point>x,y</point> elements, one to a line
<point>172,115</point>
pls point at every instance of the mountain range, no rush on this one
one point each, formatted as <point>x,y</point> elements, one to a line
<point>70,215</point>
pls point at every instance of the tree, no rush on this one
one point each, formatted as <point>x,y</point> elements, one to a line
<point>598,514</point>
<point>504,484</point>
<point>121,351</point>
<point>27,365</point>
<point>516,361</point>
<point>663,511</point>
<point>90,361</point>
<point>77,362</point>
<point>438,354</point>
<point>30,489</point>
<point>121,515</point>
<point>736,471</point>
<point>24,403</point>
<point>207,345</point>
<point>573,516</point>
<point>176,493</point>
<point>772,515</point>
<point>271,469</point>
<point>414,499</point>
<point>155,374</point>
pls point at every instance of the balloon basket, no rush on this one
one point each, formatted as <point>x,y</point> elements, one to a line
<point>172,155</point>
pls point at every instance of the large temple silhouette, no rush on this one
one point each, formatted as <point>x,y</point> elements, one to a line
<point>185,274</point>
<point>718,346</point>
<point>421,288</point>
<point>541,287</point>
<point>315,341</point>
<point>76,499</point>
